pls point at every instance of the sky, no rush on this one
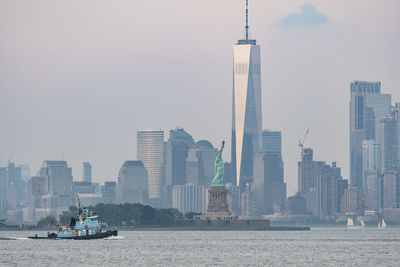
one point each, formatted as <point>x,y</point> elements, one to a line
<point>78,79</point>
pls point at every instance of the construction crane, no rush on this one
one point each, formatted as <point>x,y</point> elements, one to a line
<point>301,141</point>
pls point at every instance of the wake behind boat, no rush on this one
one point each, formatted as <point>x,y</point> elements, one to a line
<point>84,226</point>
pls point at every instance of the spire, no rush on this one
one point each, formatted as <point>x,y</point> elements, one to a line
<point>246,40</point>
<point>247,20</point>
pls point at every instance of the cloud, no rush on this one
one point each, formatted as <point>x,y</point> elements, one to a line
<point>308,16</point>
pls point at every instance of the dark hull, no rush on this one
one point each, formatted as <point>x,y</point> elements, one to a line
<point>85,237</point>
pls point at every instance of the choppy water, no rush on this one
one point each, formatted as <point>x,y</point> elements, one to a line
<point>323,246</point>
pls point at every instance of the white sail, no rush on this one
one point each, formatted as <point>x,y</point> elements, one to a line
<point>362,223</point>
<point>350,222</point>
<point>383,223</point>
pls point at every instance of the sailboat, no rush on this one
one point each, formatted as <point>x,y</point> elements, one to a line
<point>382,224</point>
<point>350,224</point>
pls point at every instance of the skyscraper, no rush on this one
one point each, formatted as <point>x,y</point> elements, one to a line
<point>150,151</point>
<point>389,150</point>
<point>367,107</point>
<point>268,183</point>
<point>200,163</point>
<point>87,172</point>
<point>58,176</point>
<point>176,150</point>
<point>108,190</point>
<point>272,141</point>
<point>308,171</point>
<point>246,106</point>
<point>132,182</point>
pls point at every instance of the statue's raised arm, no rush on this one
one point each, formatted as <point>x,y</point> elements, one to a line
<point>219,168</point>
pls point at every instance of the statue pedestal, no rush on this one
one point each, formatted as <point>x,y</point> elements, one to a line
<point>217,199</point>
<point>217,207</point>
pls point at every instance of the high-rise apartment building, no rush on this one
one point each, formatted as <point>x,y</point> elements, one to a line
<point>246,107</point>
<point>328,187</point>
<point>308,171</point>
<point>367,107</point>
<point>87,172</point>
<point>352,202</point>
<point>150,151</point>
<point>132,183</point>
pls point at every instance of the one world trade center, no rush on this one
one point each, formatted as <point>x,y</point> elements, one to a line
<point>246,106</point>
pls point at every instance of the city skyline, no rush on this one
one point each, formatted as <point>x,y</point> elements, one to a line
<point>102,130</point>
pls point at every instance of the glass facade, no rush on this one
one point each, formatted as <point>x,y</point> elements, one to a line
<point>150,151</point>
<point>367,107</point>
<point>246,107</point>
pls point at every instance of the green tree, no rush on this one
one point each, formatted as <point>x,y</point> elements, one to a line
<point>66,215</point>
<point>47,222</point>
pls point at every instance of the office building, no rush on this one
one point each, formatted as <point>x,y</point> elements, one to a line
<point>371,157</point>
<point>25,172</point>
<point>296,205</point>
<point>83,188</point>
<point>108,190</point>
<point>58,177</point>
<point>367,107</point>
<point>3,192</point>
<point>246,107</point>
<point>268,185</point>
<point>233,198</point>
<point>272,141</point>
<point>150,151</point>
<point>38,188</point>
<point>200,163</point>
<point>87,172</point>
<point>132,183</point>
<point>389,144</point>
<point>177,149</point>
<point>176,153</point>
<point>373,190</point>
<point>187,198</point>
<point>391,183</point>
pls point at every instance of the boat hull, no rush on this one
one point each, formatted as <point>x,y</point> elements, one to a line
<point>85,237</point>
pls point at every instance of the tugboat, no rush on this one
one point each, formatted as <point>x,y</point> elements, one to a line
<point>84,226</point>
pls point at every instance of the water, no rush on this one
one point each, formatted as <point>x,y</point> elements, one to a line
<point>322,246</point>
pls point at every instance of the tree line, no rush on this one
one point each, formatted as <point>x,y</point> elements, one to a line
<point>126,214</point>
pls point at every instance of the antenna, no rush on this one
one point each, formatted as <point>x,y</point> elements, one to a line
<point>247,20</point>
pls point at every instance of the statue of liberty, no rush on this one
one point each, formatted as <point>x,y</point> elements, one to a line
<point>219,168</point>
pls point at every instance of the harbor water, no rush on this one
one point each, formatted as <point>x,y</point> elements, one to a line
<point>320,246</point>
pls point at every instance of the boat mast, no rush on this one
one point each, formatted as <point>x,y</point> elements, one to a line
<point>79,204</point>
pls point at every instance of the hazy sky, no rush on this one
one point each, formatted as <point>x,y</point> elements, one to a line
<point>78,79</point>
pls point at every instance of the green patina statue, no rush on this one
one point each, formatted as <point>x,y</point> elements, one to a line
<point>219,168</point>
